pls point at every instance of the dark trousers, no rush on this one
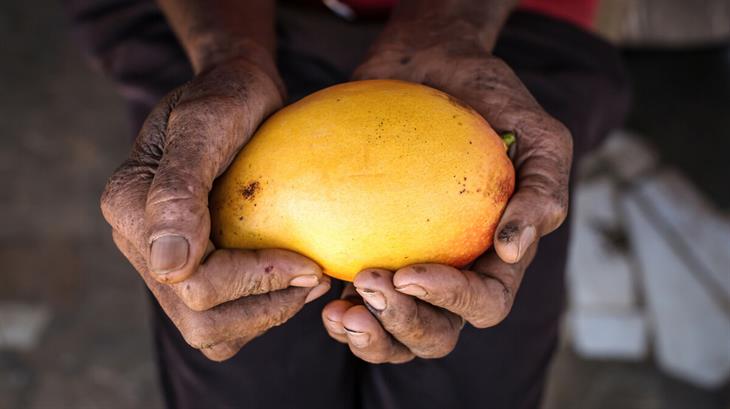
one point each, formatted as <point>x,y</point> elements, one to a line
<point>577,78</point>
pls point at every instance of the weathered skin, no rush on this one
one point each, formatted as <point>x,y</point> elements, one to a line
<point>157,204</point>
<point>161,192</point>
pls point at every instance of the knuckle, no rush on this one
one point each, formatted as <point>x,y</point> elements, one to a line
<point>554,126</point>
<point>438,346</point>
<point>557,209</point>
<point>198,332</point>
<point>486,319</point>
<point>107,202</point>
<point>195,296</point>
<point>279,306</point>
<point>122,191</point>
<point>438,350</point>
<point>495,312</point>
<point>223,351</point>
<point>563,134</point>
<point>440,343</point>
<point>460,300</point>
<point>206,110</point>
<point>173,186</point>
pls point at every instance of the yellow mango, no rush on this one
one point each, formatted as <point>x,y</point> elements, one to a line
<point>377,173</point>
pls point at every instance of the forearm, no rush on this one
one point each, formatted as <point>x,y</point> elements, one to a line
<point>213,31</point>
<point>424,21</point>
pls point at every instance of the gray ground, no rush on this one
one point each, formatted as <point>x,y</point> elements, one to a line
<point>63,131</point>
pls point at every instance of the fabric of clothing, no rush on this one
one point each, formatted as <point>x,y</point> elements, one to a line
<point>578,12</point>
<point>577,77</point>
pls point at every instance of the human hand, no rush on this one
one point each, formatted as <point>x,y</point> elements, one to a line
<point>419,310</point>
<point>157,205</point>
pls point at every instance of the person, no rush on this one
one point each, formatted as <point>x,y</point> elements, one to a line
<point>237,328</point>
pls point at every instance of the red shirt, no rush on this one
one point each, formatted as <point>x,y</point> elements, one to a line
<point>579,12</point>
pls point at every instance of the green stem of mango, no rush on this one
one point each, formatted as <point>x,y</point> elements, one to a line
<point>508,138</point>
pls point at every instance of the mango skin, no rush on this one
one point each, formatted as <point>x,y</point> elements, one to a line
<point>377,173</point>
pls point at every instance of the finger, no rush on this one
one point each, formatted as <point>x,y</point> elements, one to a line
<point>428,331</point>
<point>369,341</point>
<point>332,314</point>
<point>244,318</point>
<point>207,127</point>
<point>198,144</point>
<point>224,350</point>
<point>125,194</point>
<point>231,274</point>
<point>540,203</point>
<point>542,159</point>
<point>483,296</point>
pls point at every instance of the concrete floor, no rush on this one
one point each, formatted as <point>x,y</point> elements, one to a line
<point>64,131</point>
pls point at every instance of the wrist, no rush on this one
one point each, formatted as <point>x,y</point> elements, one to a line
<point>457,24</point>
<point>448,35</point>
<point>209,50</point>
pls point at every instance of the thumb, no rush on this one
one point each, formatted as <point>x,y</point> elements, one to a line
<point>200,139</point>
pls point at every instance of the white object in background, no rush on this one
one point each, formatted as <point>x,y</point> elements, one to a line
<point>603,320</point>
<point>704,231</point>
<point>691,330</point>
<point>599,275</point>
<point>21,325</point>
<point>664,23</point>
<point>608,334</point>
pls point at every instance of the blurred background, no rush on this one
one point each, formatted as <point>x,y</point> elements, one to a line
<point>648,323</point>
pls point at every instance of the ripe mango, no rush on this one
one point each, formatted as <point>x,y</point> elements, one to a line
<point>376,173</point>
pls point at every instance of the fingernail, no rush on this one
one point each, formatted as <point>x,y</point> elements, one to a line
<point>508,232</point>
<point>334,326</point>
<point>168,253</point>
<point>317,292</point>
<point>509,236</point>
<point>309,280</point>
<point>357,338</point>
<point>374,299</point>
<point>526,239</point>
<point>412,289</point>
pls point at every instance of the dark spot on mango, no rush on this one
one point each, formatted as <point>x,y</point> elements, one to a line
<point>250,190</point>
<point>268,268</point>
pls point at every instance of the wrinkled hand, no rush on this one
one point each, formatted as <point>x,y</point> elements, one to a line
<point>420,310</point>
<point>157,205</point>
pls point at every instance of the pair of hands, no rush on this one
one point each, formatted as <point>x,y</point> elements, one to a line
<point>219,299</point>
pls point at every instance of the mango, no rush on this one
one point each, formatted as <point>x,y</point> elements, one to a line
<point>377,173</point>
